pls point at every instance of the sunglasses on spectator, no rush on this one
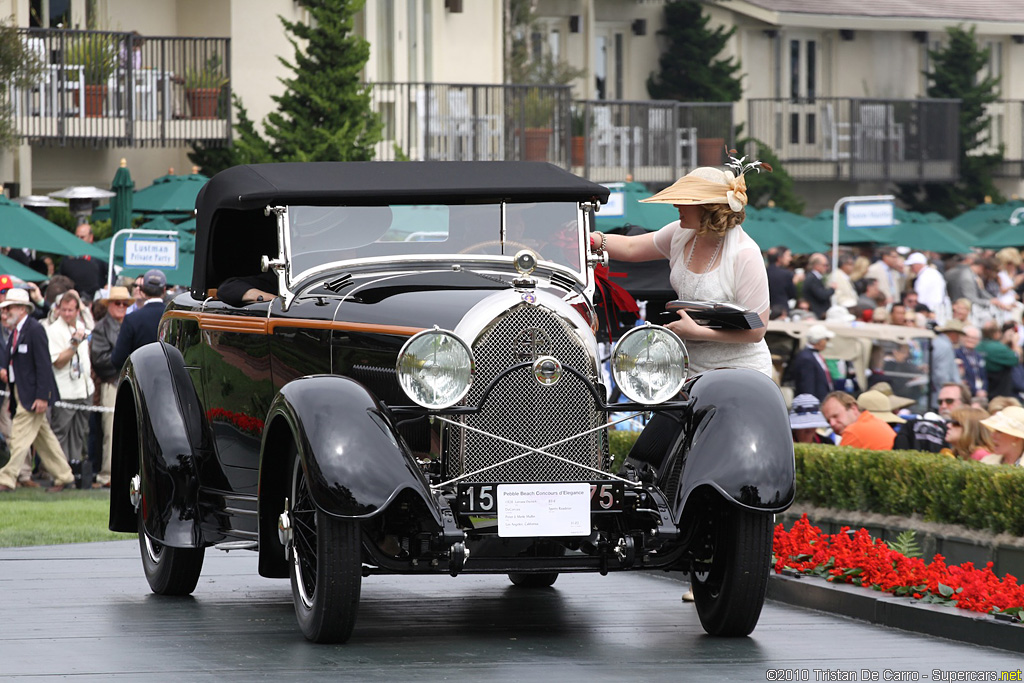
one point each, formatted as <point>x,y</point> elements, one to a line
<point>949,401</point>
<point>952,423</point>
<point>123,304</point>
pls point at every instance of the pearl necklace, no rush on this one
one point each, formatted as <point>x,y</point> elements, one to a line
<point>693,248</point>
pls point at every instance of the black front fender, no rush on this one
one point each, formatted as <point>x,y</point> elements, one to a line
<point>157,425</point>
<point>354,459</point>
<point>734,438</point>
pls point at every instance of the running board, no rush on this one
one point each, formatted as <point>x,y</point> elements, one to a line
<point>237,545</point>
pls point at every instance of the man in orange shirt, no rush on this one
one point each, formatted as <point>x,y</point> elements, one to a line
<point>858,428</point>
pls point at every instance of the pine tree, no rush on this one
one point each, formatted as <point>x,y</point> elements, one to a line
<point>690,70</point>
<point>324,113</point>
<point>955,75</point>
<point>776,187</point>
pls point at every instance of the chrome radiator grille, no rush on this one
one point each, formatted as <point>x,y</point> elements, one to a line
<point>521,409</point>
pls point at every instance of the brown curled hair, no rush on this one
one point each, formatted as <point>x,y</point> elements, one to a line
<point>719,219</point>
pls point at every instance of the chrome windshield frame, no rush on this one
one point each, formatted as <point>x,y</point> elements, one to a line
<point>290,283</point>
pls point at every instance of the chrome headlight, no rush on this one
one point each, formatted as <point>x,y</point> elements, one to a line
<point>649,364</point>
<point>435,368</point>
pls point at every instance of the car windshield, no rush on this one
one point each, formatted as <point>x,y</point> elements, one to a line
<point>321,235</point>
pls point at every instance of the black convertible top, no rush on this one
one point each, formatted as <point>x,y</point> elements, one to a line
<point>232,202</point>
<point>382,182</point>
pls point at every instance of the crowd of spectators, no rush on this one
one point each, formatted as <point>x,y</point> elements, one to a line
<point>61,350</point>
<point>972,303</point>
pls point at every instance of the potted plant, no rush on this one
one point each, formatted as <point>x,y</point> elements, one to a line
<point>538,110</point>
<point>94,56</point>
<point>203,86</point>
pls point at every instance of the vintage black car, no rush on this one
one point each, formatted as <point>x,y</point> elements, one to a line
<point>423,396</point>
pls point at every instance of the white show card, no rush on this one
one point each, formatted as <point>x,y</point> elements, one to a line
<point>543,510</point>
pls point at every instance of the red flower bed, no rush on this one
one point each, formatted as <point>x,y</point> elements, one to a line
<point>245,423</point>
<point>856,558</point>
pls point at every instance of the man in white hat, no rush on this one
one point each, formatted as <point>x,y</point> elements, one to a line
<point>26,368</point>
<point>928,283</point>
<point>808,371</point>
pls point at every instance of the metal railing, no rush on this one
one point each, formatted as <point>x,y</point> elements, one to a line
<point>1006,131</point>
<point>860,138</point>
<point>602,140</point>
<point>103,88</point>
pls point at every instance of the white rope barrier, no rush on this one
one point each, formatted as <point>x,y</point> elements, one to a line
<point>71,406</point>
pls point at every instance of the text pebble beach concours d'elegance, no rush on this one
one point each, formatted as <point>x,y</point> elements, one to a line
<point>889,675</point>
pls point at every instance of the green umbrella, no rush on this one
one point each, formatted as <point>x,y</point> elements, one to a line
<point>773,226</point>
<point>819,228</point>
<point>1007,236</point>
<point>987,218</point>
<point>19,270</point>
<point>182,275</point>
<point>23,229</point>
<point>624,208</point>
<point>170,194</point>
<point>927,232</point>
<point>121,204</point>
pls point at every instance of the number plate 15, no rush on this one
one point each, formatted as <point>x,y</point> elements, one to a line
<point>481,499</point>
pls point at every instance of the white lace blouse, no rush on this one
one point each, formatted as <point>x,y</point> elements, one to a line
<point>739,278</point>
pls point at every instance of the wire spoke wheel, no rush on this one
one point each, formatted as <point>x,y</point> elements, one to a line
<point>729,576</point>
<point>326,565</point>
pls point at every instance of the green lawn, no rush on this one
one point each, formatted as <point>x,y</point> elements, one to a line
<point>34,517</point>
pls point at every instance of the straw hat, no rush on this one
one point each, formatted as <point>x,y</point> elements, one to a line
<point>806,413</point>
<point>895,402</point>
<point>951,325</point>
<point>18,297</point>
<point>877,403</point>
<point>1009,420</point>
<point>705,185</point>
<point>118,293</point>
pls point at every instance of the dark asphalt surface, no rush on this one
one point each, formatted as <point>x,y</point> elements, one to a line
<point>84,612</point>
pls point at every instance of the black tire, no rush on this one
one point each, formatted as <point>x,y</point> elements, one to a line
<point>169,571</point>
<point>326,566</point>
<point>730,578</point>
<point>543,580</point>
<point>533,580</point>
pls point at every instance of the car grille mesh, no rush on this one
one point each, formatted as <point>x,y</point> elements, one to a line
<point>521,409</point>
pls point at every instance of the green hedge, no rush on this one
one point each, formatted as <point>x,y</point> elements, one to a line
<point>936,487</point>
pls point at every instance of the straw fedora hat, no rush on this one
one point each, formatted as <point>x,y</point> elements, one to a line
<point>18,297</point>
<point>895,402</point>
<point>877,403</point>
<point>1009,420</point>
<point>118,293</point>
<point>951,325</point>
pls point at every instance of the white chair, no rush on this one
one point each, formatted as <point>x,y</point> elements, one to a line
<point>835,135</point>
<point>877,130</point>
<point>608,143</point>
<point>36,97</point>
<point>663,135</point>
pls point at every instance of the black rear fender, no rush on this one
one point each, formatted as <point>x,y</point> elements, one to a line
<point>157,421</point>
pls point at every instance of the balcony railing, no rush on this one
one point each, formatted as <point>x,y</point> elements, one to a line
<point>121,89</point>
<point>861,139</point>
<point>602,140</point>
<point>1006,130</point>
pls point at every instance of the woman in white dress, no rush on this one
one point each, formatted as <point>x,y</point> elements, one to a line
<point>712,259</point>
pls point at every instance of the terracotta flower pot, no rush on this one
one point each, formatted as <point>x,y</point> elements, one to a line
<point>579,150</point>
<point>710,151</point>
<point>202,102</point>
<point>94,97</point>
<point>536,143</point>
